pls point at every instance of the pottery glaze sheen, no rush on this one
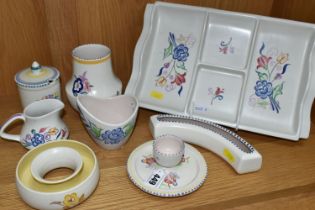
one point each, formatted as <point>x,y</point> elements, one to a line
<point>42,123</point>
<point>38,82</point>
<point>92,73</point>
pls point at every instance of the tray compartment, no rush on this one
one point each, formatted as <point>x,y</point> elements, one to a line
<point>277,79</point>
<point>228,40</point>
<point>216,95</point>
<point>169,58</point>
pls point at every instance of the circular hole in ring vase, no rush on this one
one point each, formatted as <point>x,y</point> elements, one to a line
<point>55,158</point>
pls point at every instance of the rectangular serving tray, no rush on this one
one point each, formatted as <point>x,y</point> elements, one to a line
<point>244,71</point>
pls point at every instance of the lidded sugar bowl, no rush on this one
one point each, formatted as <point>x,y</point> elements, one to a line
<point>38,82</point>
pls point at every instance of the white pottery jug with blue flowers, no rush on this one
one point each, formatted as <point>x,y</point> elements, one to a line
<point>42,123</point>
<point>92,73</point>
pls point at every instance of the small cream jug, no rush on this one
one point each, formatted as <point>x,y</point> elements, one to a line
<point>42,123</point>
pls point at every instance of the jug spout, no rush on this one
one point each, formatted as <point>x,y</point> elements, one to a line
<point>43,108</point>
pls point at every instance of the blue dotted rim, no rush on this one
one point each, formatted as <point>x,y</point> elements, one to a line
<point>39,84</point>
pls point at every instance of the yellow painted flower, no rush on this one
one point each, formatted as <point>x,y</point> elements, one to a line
<point>182,39</point>
<point>282,58</point>
<point>71,200</point>
<point>161,81</point>
<point>53,131</point>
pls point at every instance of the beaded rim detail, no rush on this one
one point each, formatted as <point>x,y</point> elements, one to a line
<point>225,133</point>
<point>169,155</point>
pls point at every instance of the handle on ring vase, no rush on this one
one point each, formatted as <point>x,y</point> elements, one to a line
<point>11,137</point>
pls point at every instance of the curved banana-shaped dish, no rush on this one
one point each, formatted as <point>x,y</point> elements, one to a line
<point>232,148</point>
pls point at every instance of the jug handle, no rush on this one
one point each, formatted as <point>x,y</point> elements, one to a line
<point>11,137</point>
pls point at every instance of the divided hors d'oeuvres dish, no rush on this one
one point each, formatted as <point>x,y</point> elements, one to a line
<point>244,71</point>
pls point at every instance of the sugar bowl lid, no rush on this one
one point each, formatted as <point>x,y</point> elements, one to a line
<point>36,76</point>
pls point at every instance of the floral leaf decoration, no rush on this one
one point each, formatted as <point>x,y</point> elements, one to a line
<point>168,51</point>
<point>95,130</point>
<point>262,76</point>
<point>172,74</point>
<point>128,129</point>
<point>277,90</point>
<point>270,82</point>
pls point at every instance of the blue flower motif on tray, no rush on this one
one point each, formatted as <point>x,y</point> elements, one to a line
<point>270,69</point>
<point>263,89</point>
<point>172,74</point>
<point>180,53</point>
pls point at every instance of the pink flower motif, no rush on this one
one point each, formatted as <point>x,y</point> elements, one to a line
<point>148,160</point>
<point>179,79</point>
<point>263,61</point>
<point>219,91</point>
<point>86,85</point>
<point>171,179</point>
<point>223,50</point>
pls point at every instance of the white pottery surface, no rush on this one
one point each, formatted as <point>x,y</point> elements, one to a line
<point>28,95</point>
<point>180,180</point>
<point>59,157</point>
<point>228,40</point>
<point>222,49</point>
<point>216,95</point>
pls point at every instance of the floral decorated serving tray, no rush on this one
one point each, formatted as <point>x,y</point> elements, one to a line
<point>154,179</point>
<point>244,71</point>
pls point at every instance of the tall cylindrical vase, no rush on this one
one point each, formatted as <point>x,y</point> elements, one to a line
<point>92,73</point>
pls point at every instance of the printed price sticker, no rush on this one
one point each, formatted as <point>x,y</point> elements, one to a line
<point>156,178</point>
